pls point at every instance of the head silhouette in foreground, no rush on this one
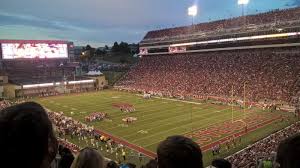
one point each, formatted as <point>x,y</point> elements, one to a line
<point>88,158</point>
<point>221,163</point>
<point>27,138</point>
<point>288,152</point>
<point>179,151</point>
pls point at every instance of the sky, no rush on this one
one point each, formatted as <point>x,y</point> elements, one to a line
<point>101,22</point>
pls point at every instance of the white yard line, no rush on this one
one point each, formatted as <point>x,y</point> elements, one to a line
<point>174,128</point>
<point>156,115</point>
<point>190,131</point>
<point>162,121</point>
<point>176,100</point>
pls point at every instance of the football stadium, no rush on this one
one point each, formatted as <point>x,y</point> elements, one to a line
<point>231,87</point>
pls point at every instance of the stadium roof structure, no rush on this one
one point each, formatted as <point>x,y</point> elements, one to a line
<point>44,80</point>
<point>94,73</point>
<point>219,24</point>
<point>264,29</point>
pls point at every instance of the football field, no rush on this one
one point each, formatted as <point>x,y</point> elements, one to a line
<point>158,118</point>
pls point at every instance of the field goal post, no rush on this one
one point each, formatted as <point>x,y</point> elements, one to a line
<point>243,105</point>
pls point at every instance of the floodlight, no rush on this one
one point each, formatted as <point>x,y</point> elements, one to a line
<point>243,2</point>
<point>192,11</point>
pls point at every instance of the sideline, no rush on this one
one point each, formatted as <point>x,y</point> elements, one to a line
<point>176,100</point>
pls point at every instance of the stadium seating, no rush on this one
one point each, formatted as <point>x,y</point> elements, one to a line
<point>264,149</point>
<point>271,74</point>
<point>256,74</point>
<point>272,17</point>
<point>35,71</point>
<point>32,71</point>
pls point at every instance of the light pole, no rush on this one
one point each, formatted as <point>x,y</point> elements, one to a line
<point>243,3</point>
<point>232,104</point>
<point>192,11</point>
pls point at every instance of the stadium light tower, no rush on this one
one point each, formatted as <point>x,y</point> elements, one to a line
<point>243,3</point>
<point>192,11</point>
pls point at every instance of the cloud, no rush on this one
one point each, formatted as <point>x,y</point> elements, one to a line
<point>14,26</point>
<point>28,20</point>
<point>106,21</point>
<point>34,33</point>
<point>294,3</point>
<point>103,13</point>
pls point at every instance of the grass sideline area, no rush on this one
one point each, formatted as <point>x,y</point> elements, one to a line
<point>159,118</point>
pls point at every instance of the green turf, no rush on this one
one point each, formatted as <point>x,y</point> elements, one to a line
<point>159,118</point>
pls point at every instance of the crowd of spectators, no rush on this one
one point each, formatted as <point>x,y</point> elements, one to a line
<point>273,17</point>
<point>260,74</point>
<point>67,144</point>
<point>263,150</point>
<point>68,126</point>
<point>28,141</point>
<point>6,103</point>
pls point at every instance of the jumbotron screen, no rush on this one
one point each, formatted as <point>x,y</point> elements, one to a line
<point>33,50</point>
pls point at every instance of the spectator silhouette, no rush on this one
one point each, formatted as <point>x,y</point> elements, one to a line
<point>112,164</point>
<point>288,152</point>
<point>66,158</point>
<point>151,164</point>
<point>221,163</point>
<point>27,138</point>
<point>88,158</point>
<point>178,152</point>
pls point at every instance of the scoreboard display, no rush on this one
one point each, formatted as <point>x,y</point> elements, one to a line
<point>29,50</point>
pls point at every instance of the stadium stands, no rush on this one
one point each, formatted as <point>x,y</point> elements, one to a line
<point>271,74</point>
<point>6,103</point>
<point>264,149</point>
<point>253,155</point>
<point>31,71</point>
<point>259,75</point>
<point>286,17</point>
<point>42,72</point>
